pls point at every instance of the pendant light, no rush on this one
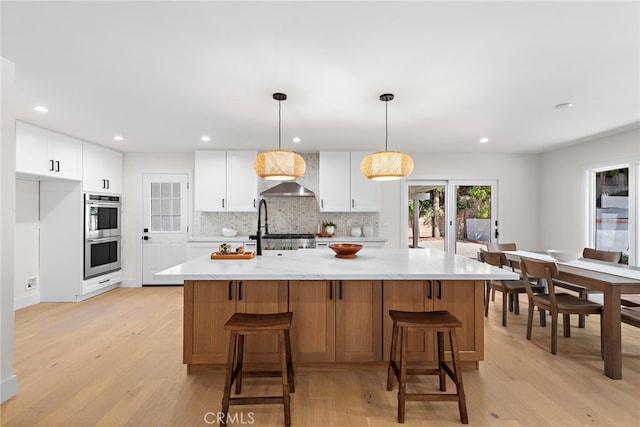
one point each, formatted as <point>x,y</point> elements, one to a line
<point>279,165</point>
<point>386,165</point>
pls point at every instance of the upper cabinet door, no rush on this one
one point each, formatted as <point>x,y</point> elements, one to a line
<point>334,188</point>
<point>224,181</point>
<point>342,186</point>
<point>32,150</point>
<point>242,181</point>
<point>47,154</point>
<point>210,181</point>
<point>102,169</point>
<point>365,193</point>
<point>67,157</point>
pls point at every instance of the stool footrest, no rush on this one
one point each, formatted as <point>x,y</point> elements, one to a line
<point>424,397</point>
<point>258,374</point>
<point>255,400</point>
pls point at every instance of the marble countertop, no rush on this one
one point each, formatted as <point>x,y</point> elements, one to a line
<point>370,264</point>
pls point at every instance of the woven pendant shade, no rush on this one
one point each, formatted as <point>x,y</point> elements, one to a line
<point>386,165</point>
<point>279,165</point>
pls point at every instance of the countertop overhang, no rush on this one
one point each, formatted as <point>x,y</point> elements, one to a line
<point>321,264</point>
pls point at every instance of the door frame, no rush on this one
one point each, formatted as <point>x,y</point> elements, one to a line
<point>450,205</point>
<point>140,219</point>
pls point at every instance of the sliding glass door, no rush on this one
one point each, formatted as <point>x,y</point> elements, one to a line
<point>451,215</point>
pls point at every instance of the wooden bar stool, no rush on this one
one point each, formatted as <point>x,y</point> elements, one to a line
<point>241,324</point>
<point>441,322</point>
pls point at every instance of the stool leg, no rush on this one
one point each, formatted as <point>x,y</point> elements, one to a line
<point>227,382</point>
<point>394,348</point>
<point>462,403</point>
<point>441,362</point>
<point>487,291</point>
<point>292,384</point>
<point>402,386</point>
<point>505,298</point>
<point>239,359</point>
<point>285,378</point>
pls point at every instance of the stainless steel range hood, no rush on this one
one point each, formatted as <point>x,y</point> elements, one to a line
<point>288,189</point>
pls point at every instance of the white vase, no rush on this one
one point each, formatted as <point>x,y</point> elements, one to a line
<point>329,229</point>
<point>356,232</point>
<point>367,230</point>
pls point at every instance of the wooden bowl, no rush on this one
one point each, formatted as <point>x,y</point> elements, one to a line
<point>345,250</point>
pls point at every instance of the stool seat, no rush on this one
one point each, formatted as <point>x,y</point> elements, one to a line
<point>429,319</point>
<point>259,322</point>
<point>440,322</point>
<point>241,324</point>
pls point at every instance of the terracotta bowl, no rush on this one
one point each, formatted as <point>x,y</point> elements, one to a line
<point>345,250</point>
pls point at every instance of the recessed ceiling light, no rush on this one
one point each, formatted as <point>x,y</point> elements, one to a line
<point>205,138</point>
<point>484,140</point>
<point>296,139</point>
<point>563,105</point>
<point>41,109</point>
<point>118,138</point>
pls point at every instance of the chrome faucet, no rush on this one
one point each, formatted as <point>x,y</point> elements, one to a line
<point>266,226</point>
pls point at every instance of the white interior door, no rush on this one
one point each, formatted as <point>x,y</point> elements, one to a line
<point>165,224</point>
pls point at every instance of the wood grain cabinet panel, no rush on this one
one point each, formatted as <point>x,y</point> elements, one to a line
<point>208,304</point>
<point>358,320</point>
<point>461,298</point>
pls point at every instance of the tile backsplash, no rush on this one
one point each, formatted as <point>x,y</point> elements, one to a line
<point>286,214</point>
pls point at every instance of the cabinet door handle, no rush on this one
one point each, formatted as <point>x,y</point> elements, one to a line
<point>223,203</point>
<point>429,291</point>
<point>108,184</point>
<point>330,290</point>
<point>340,296</point>
<point>254,203</point>
<point>51,168</point>
<point>57,166</point>
<point>353,203</point>
<point>104,184</point>
<point>230,292</point>
<point>439,289</point>
<point>240,291</point>
<point>322,203</point>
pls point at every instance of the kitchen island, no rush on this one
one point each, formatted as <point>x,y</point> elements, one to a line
<point>338,305</point>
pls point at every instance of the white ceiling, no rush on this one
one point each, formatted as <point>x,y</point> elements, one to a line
<point>162,74</point>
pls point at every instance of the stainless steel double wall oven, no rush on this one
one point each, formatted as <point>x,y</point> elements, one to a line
<point>102,215</point>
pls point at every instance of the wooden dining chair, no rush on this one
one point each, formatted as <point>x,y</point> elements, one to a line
<point>598,255</point>
<point>510,288</point>
<point>499,247</point>
<point>556,303</point>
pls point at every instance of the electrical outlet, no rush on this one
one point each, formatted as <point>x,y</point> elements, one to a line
<point>31,283</point>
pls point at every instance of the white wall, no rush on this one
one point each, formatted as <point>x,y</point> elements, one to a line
<point>564,186</point>
<point>27,246</point>
<point>9,384</point>
<point>134,165</point>
<point>518,191</point>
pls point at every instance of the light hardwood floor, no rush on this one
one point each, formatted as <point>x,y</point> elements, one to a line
<point>116,360</point>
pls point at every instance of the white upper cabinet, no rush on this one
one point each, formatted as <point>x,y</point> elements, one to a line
<point>102,170</point>
<point>47,154</point>
<point>342,186</point>
<point>224,181</point>
<point>365,193</point>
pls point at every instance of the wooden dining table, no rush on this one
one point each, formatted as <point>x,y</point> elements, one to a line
<point>612,280</point>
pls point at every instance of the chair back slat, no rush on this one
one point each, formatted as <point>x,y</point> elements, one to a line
<point>608,256</point>
<point>497,259</point>
<point>497,247</point>
<point>541,269</point>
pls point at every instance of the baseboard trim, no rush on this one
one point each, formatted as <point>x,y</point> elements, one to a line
<point>26,301</point>
<point>9,388</point>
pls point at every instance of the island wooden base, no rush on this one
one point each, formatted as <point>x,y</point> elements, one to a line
<point>335,322</point>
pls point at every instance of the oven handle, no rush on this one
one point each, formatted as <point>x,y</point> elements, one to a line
<point>104,239</point>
